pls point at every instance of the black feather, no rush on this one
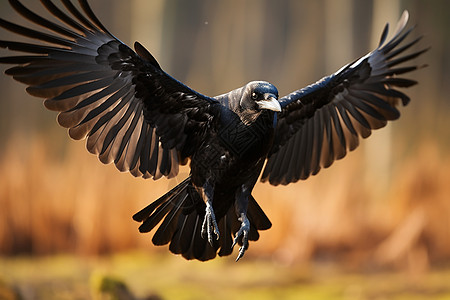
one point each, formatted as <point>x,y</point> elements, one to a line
<point>31,16</point>
<point>134,114</point>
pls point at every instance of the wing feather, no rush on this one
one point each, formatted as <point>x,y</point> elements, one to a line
<point>131,112</point>
<point>322,122</point>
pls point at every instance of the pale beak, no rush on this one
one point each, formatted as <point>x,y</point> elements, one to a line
<point>271,103</point>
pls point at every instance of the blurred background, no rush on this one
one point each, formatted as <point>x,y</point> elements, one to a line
<point>384,208</point>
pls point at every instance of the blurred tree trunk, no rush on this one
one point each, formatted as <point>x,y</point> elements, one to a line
<point>146,24</point>
<point>378,148</point>
<point>338,34</point>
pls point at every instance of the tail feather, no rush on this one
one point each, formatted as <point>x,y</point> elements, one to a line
<point>200,248</point>
<point>190,233</point>
<point>179,242</point>
<point>256,215</point>
<point>253,235</point>
<point>156,217</point>
<point>166,230</point>
<point>226,232</point>
<point>188,241</point>
<point>144,213</point>
<point>180,214</point>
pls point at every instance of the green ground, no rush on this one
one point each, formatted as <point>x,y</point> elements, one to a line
<point>142,276</point>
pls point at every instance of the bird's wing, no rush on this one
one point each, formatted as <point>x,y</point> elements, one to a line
<point>320,123</point>
<point>131,112</point>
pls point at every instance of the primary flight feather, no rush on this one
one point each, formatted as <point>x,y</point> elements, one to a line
<point>146,122</point>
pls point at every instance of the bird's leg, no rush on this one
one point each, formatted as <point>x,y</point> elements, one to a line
<point>241,205</point>
<point>209,225</point>
<point>243,231</point>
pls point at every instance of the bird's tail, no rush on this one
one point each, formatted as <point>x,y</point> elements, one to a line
<point>181,211</point>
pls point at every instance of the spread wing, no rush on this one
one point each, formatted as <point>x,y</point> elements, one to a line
<point>131,112</point>
<point>320,123</point>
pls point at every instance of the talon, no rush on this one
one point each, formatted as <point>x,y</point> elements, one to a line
<point>241,252</point>
<point>209,225</point>
<point>243,231</point>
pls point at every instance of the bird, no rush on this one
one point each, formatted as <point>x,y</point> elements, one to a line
<point>137,116</point>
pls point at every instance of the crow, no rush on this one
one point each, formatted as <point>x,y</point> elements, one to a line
<point>138,117</point>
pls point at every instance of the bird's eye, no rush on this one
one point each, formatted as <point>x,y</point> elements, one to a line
<point>254,96</point>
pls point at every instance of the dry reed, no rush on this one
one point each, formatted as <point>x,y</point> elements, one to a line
<point>64,200</point>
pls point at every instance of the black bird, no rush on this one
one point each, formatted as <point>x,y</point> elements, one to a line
<point>134,114</point>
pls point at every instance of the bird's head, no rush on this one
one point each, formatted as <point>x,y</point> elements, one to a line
<point>260,95</point>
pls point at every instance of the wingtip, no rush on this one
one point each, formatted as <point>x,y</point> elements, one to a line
<point>401,24</point>
<point>384,35</point>
<point>145,54</point>
<point>405,15</point>
<point>402,21</point>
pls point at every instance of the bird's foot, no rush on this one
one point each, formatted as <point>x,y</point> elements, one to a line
<point>209,226</point>
<point>243,231</point>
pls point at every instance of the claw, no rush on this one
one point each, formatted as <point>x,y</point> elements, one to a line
<point>209,225</point>
<point>243,231</point>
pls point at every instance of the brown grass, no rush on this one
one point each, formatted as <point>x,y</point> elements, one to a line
<point>64,200</point>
